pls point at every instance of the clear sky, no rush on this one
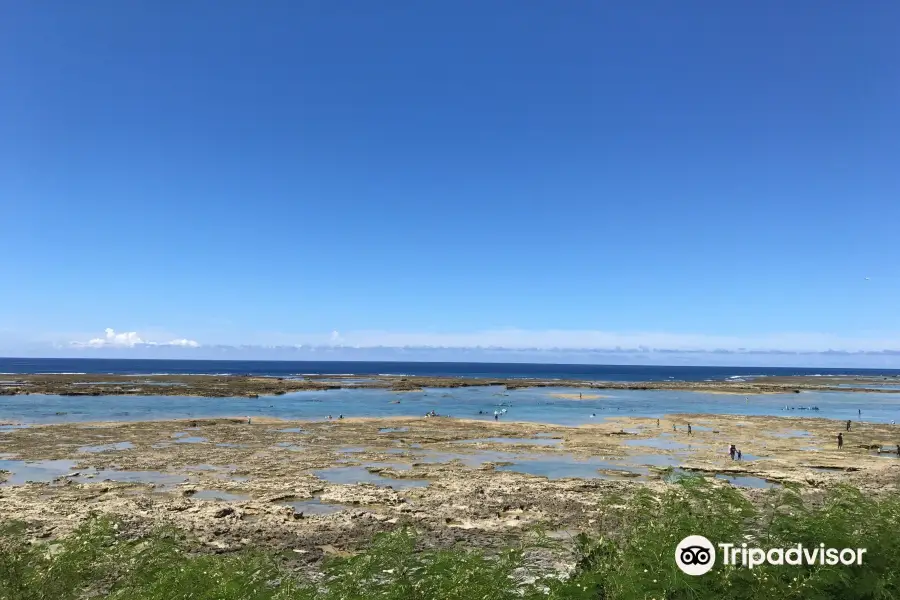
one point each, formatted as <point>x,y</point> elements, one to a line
<point>526,174</point>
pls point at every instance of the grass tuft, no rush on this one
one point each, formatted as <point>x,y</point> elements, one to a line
<point>631,558</point>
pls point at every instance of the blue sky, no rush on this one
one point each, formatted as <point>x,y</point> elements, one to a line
<point>680,176</point>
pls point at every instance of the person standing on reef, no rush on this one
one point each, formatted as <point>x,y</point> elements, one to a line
<point>657,422</point>
<point>689,429</point>
<point>840,441</point>
<point>732,451</point>
<point>848,424</point>
<point>739,455</point>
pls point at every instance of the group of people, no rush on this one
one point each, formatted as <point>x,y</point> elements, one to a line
<point>840,439</point>
<point>497,413</point>
<point>732,450</point>
<point>840,436</point>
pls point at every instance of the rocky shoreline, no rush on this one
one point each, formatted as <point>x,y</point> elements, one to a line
<point>315,488</point>
<point>223,386</point>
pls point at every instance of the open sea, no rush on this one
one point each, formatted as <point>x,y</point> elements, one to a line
<point>434,369</point>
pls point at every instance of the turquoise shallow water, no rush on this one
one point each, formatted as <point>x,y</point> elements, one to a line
<point>535,405</point>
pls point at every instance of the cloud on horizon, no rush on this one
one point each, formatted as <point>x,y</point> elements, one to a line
<point>130,339</point>
<point>603,340</point>
<point>530,341</point>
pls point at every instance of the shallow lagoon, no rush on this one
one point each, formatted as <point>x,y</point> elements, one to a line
<point>45,471</point>
<point>533,404</point>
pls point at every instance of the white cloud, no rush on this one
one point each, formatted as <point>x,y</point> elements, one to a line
<point>521,339</point>
<point>184,343</point>
<point>129,339</point>
<point>118,340</point>
<point>551,341</point>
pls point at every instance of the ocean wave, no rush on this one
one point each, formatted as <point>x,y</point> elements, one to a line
<point>209,374</point>
<point>325,374</point>
<point>142,374</point>
<point>60,373</point>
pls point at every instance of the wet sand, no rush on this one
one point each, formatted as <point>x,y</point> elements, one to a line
<point>483,483</point>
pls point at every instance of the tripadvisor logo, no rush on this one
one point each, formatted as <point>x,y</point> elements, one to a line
<point>696,555</point>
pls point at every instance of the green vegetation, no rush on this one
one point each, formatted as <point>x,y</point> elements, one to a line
<point>630,557</point>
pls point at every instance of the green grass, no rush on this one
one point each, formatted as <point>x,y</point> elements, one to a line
<point>630,558</point>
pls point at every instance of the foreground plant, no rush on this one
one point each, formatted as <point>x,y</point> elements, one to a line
<point>632,557</point>
<point>638,562</point>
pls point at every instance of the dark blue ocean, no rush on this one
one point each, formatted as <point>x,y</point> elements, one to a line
<point>494,370</point>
